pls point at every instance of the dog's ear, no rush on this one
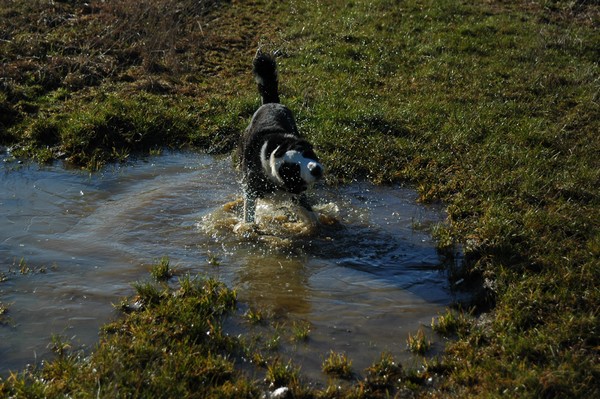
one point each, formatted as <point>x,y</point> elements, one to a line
<point>306,149</point>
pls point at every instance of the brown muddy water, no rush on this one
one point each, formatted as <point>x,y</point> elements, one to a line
<point>71,244</point>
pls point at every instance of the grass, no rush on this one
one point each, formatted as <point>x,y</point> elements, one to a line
<point>255,316</point>
<point>162,271</point>
<point>383,375</point>
<point>174,345</point>
<point>338,365</point>
<point>176,334</point>
<point>100,86</point>
<point>300,331</point>
<point>418,343</point>
<point>453,323</point>
<point>491,107</point>
<point>280,375</point>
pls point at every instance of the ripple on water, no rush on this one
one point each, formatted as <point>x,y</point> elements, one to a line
<point>360,274</point>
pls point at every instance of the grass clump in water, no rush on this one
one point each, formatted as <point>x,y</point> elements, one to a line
<point>162,271</point>
<point>255,316</point>
<point>384,376</point>
<point>418,343</point>
<point>300,331</point>
<point>338,365</point>
<point>281,374</point>
<point>172,347</point>
<point>4,318</point>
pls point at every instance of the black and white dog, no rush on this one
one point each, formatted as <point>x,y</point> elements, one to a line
<point>273,156</point>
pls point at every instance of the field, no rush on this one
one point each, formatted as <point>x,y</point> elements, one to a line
<point>491,107</point>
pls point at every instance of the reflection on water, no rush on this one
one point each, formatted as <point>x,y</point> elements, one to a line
<point>363,280</point>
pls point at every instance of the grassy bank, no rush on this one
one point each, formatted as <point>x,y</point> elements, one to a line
<point>171,343</point>
<point>491,107</point>
<point>96,82</point>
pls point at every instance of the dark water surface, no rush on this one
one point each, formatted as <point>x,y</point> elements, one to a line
<point>72,243</point>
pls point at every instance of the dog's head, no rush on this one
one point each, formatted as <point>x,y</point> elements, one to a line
<point>292,164</point>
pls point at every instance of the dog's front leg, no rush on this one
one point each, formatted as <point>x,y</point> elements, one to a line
<point>249,207</point>
<point>302,200</point>
<point>305,212</point>
<point>247,228</point>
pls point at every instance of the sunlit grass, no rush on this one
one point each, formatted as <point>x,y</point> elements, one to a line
<point>255,316</point>
<point>282,374</point>
<point>384,375</point>
<point>451,323</point>
<point>490,107</point>
<point>418,343</point>
<point>300,331</point>
<point>162,270</point>
<point>338,365</point>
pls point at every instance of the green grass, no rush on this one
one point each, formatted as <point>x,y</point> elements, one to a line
<point>162,271</point>
<point>338,365</point>
<point>173,344</point>
<point>173,347</point>
<point>92,84</point>
<point>300,331</point>
<point>383,376</point>
<point>280,375</point>
<point>418,343</point>
<point>453,323</point>
<point>491,107</point>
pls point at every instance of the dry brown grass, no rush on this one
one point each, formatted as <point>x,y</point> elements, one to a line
<point>77,44</point>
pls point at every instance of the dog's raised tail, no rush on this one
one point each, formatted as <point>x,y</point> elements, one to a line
<point>265,74</point>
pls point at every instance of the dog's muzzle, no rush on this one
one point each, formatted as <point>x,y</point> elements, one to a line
<point>316,170</point>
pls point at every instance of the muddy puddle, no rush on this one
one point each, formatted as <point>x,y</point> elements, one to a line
<point>72,243</point>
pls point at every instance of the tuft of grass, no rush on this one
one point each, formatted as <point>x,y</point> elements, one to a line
<point>300,331</point>
<point>451,323</point>
<point>24,267</point>
<point>255,316</point>
<point>213,260</point>
<point>60,346</point>
<point>162,270</point>
<point>149,293</point>
<point>281,374</point>
<point>273,342</point>
<point>4,317</point>
<point>338,365</point>
<point>384,376</point>
<point>418,343</point>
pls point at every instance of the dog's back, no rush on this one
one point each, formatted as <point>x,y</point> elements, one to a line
<point>270,118</point>
<point>272,155</point>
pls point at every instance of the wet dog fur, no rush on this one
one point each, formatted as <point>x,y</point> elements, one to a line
<point>273,156</point>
